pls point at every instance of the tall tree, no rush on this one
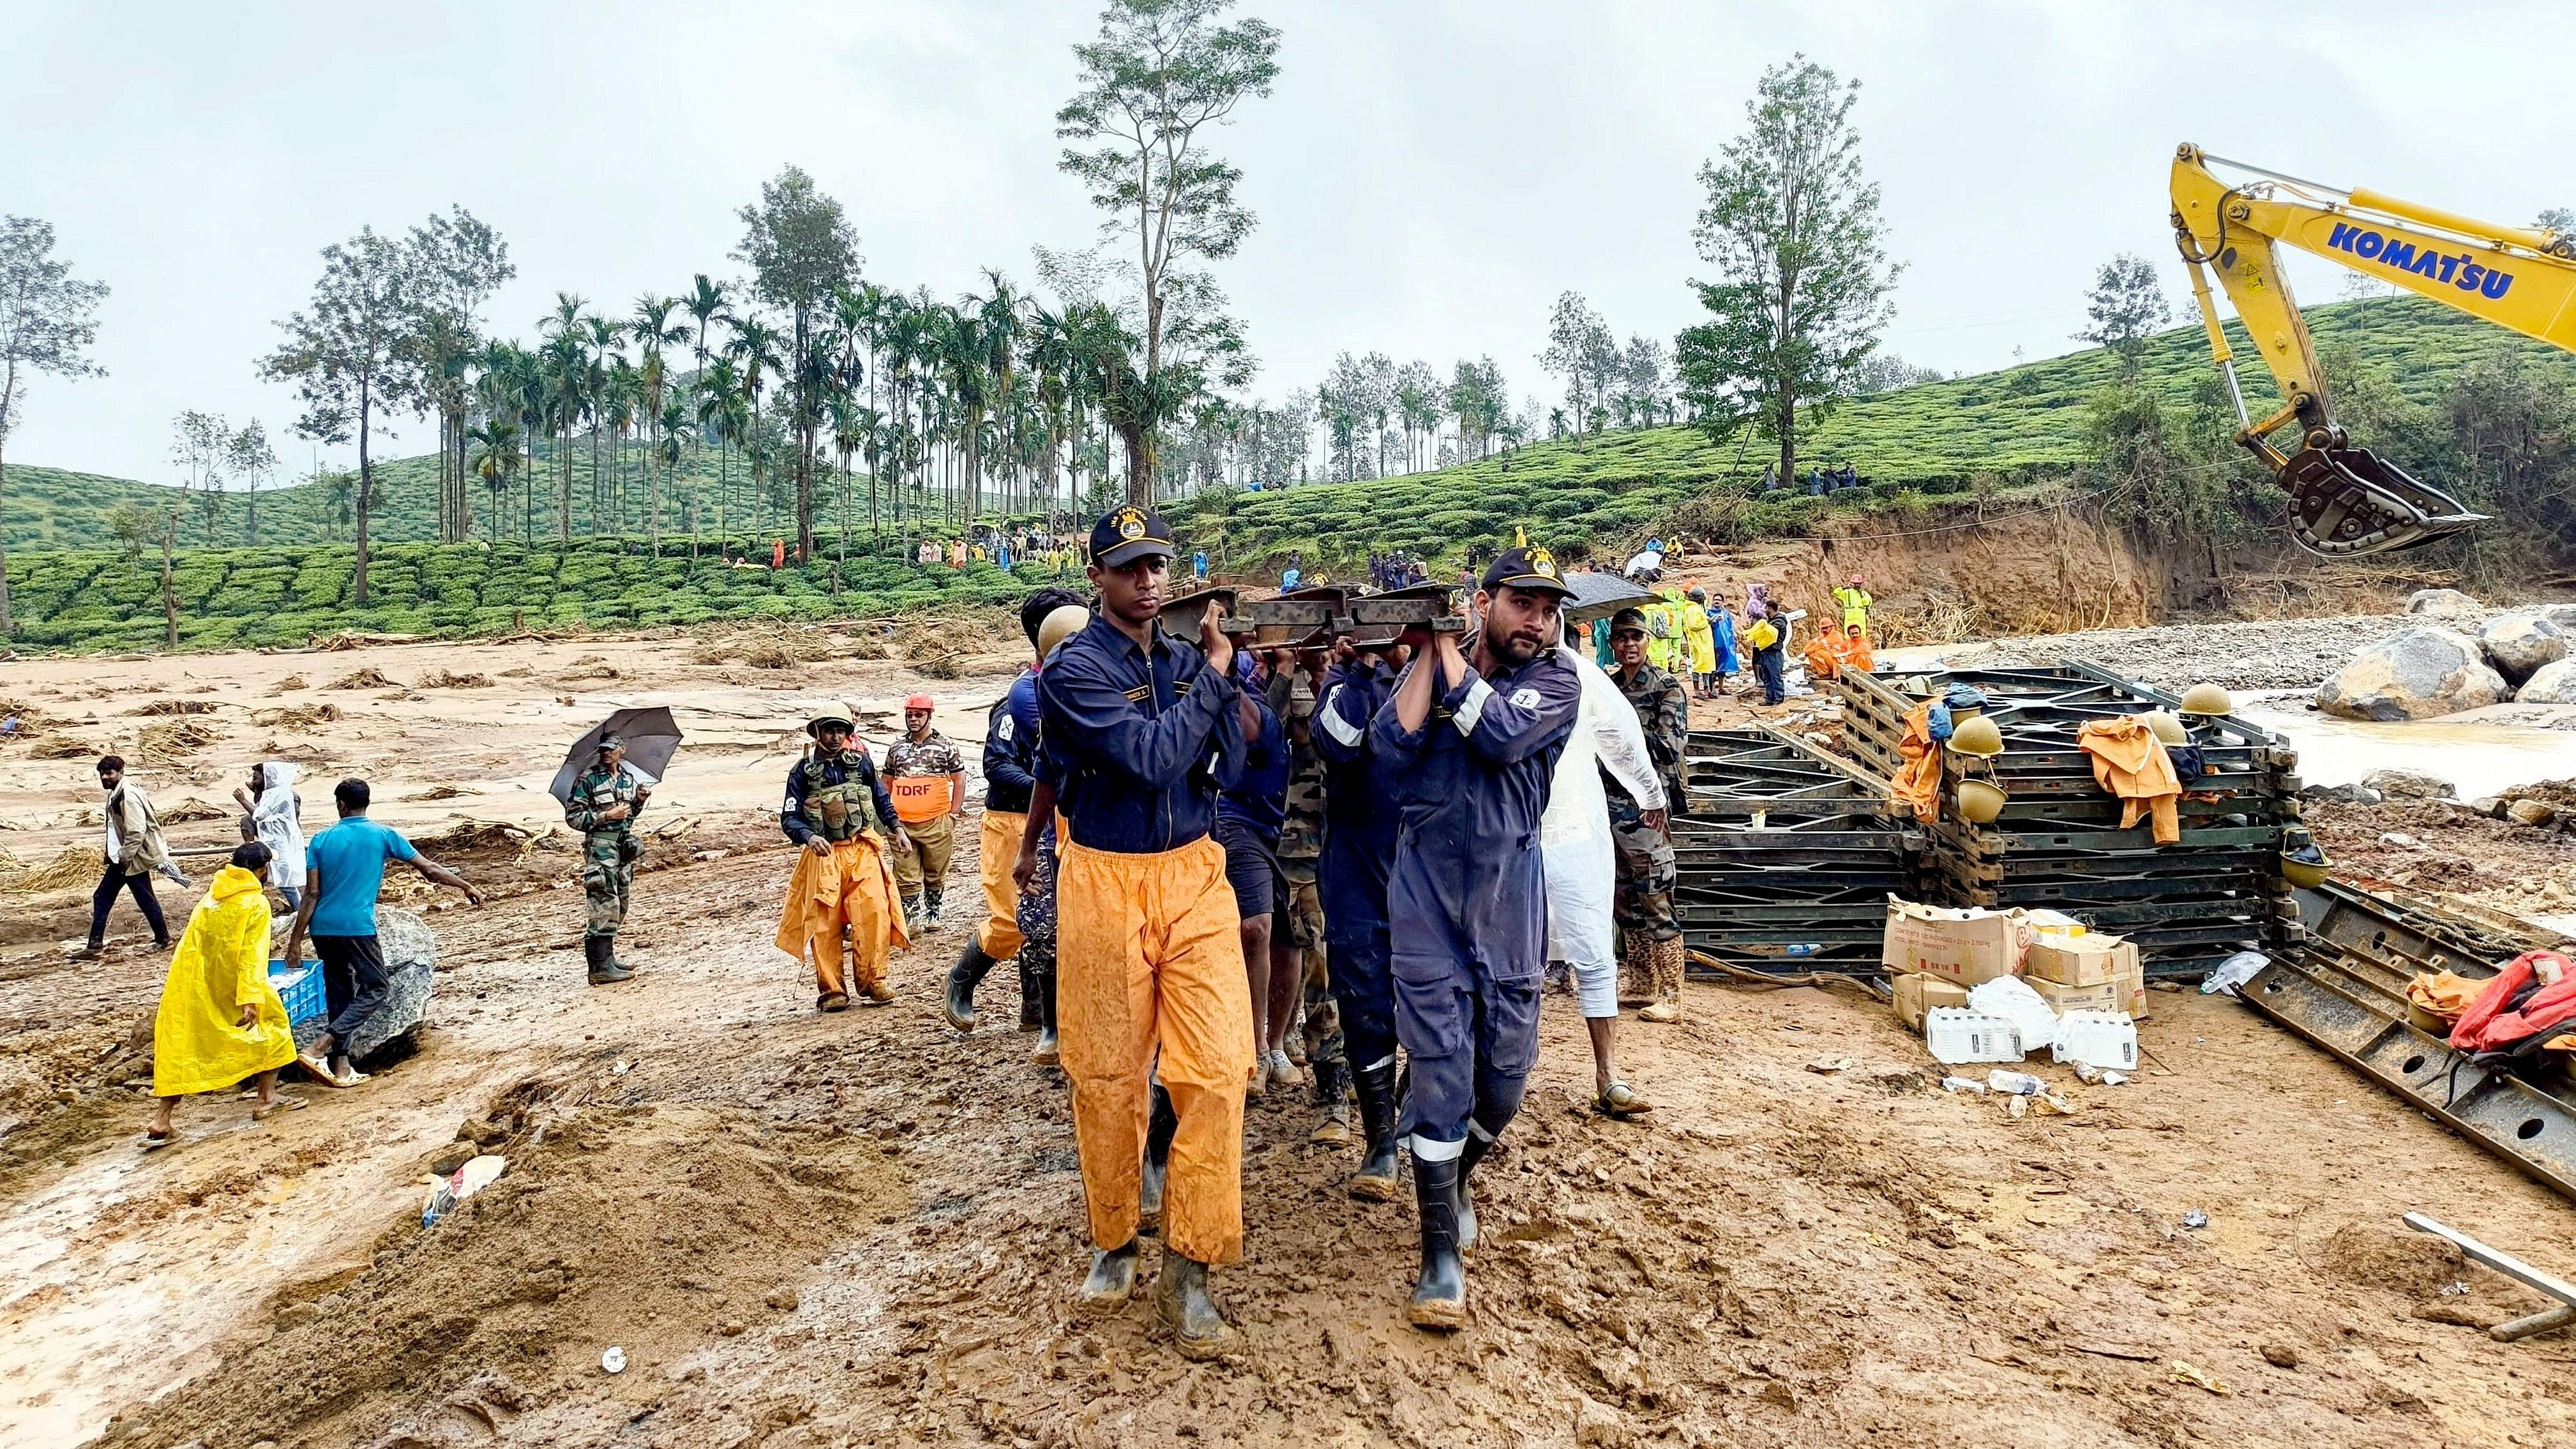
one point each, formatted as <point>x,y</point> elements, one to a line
<point>2124,309</point>
<point>200,446</point>
<point>654,331</point>
<point>801,250</point>
<point>47,323</point>
<point>347,352</point>
<point>250,457</point>
<point>1159,78</point>
<point>458,263</point>
<point>1803,277</point>
<point>1576,341</point>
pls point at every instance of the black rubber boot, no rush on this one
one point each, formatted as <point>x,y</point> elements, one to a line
<point>963,978</point>
<point>1379,1173</point>
<point>604,970</point>
<point>1111,1281</point>
<point>613,959</point>
<point>1045,1053</point>
<point>1182,1303</point>
<point>1477,1147</point>
<point>1158,1156</point>
<point>1032,1013</point>
<point>1440,1292</point>
<point>1332,1112</point>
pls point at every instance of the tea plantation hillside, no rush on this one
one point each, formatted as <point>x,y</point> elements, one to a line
<point>1997,432</point>
<point>2014,427</point>
<point>107,600</point>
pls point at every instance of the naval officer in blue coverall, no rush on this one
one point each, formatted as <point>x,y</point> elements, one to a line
<point>1472,733</point>
<point>1350,882</point>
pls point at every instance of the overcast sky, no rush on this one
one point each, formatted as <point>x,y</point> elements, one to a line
<point>1428,175</point>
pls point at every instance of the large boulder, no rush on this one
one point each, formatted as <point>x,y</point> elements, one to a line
<point>2413,674</point>
<point>2561,615</point>
<point>2550,684</point>
<point>411,960</point>
<point>2398,784</point>
<point>2447,605</point>
<point>2518,644</point>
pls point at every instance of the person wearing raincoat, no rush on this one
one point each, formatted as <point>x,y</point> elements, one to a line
<point>1721,625</point>
<point>220,1020</point>
<point>1576,847</point>
<point>275,819</point>
<point>1702,638</point>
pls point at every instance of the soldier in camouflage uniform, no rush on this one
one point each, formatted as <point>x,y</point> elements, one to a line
<point>603,806</point>
<point>1298,942</point>
<point>1643,839</point>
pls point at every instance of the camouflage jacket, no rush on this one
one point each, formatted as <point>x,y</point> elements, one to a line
<point>1663,713</point>
<point>593,795</point>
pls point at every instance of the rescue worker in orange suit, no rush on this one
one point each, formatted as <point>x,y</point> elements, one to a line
<point>1138,735</point>
<point>838,811</point>
<point>1010,761</point>
<point>1472,732</point>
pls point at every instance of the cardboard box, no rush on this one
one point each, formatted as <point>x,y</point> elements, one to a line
<point>1966,946</point>
<point>2101,996</point>
<point>2132,982</point>
<point>2086,960</point>
<point>1917,994</point>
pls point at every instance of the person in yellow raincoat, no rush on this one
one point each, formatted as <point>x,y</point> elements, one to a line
<point>1702,637</point>
<point>220,1020</point>
<point>844,884</point>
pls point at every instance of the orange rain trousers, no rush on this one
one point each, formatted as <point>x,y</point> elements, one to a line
<point>2130,762</point>
<point>1149,956</point>
<point>853,887</point>
<point>1918,780</point>
<point>999,937</point>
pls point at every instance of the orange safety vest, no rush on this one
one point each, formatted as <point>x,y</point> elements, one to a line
<point>918,797</point>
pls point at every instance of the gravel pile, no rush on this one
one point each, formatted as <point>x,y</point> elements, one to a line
<point>2250,654</point>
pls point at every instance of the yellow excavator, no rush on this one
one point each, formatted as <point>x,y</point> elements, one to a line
<point>2345,502</point>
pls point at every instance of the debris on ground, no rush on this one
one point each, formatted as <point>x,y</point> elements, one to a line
<point>367,678</point>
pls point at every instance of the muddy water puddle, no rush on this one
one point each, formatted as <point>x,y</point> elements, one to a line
<point>2479,756</point>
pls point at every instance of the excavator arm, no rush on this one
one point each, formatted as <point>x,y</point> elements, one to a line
<point>2345,501</point>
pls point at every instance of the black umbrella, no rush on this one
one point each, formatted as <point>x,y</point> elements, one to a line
<point>651,737</point>
<point>1597,595</point>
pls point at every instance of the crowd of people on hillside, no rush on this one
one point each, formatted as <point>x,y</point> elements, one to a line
<point>1813,483</point>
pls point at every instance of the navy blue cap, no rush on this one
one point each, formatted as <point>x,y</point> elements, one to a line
<point>1531,568</point>
<point>1127,533</point>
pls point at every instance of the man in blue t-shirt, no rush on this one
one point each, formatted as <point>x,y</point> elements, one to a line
<point>344,870</point>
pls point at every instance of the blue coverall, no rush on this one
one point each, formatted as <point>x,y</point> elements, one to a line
<point>1468,893</point>
<point>1359,851</point>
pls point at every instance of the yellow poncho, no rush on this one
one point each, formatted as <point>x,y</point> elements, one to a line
<point>198,1044</point>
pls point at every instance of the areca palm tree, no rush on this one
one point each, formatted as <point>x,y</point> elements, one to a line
<point>754,349</point>
<point>722,410</point>
<point>654,331</point>
<point>494,458</point>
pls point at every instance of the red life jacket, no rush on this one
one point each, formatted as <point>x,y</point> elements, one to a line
<point>2487,1026</point>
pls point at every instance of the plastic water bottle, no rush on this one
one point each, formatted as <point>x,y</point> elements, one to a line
<point>1803,949</point>
<point>2015,1084</point>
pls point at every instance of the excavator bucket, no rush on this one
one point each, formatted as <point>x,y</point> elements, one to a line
<point>2346,502</point>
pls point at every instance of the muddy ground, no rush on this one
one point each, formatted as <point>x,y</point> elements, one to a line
<point>860,1229</point>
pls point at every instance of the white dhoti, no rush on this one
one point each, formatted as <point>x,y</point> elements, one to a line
<point>1574,834</point>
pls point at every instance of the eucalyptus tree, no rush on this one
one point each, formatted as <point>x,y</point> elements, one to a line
<point>47,323</point>
<point>1158,80</point>
<point>458,262</point>
<point>249,456</point>
<point>801,250</point>
<point>346,354</point>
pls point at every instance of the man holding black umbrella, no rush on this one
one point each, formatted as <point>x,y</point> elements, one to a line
<point>604,803</point>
